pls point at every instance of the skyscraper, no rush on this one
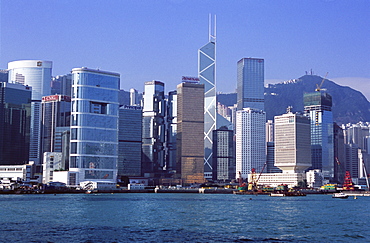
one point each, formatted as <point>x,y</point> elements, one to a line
<point>37,74</point>
<point>171,131</point>
<point>339,154</point>
<point>318,107</point>
<point>4,75</point>
<point>250,85</point>
<point>269,131</point>
<point>190,128</point>
<point>94,125</point>
<point>250,141</point>
<point>292,151</point>
<point>207,76</point>
<point>56,113</point>
<point>130,132</point>
<point>134,97</point>
<point>154,112</point>
<point>223,154</point>
<point>15,116</point>
<point>61,84</point>
<point>292,143</point>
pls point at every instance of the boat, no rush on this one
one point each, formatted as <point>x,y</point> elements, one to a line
<point>288,194</point>
<point>340,195</point>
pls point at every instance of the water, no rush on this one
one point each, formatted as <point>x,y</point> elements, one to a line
<point>182,218</point>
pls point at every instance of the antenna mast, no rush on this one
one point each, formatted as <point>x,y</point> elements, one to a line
<point>212,35</point>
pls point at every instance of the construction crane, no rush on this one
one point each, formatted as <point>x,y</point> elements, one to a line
<point>318,88</point>
<point>252,186</point>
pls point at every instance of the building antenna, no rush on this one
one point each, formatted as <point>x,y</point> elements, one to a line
<point>212,36</point>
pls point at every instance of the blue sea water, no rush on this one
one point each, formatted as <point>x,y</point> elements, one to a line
<point>150,217</point>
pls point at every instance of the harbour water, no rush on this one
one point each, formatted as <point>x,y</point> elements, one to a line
<point>149,217</point>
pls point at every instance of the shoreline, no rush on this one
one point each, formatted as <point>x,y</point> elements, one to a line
<point>157,190</point>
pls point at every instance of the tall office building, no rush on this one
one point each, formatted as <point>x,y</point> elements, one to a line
<point>15,116</point>
<point>134,97</point>
<point>56,114</point>
<point>4,75</point>
<point>352,160</point>
<point>250,141</point>
<point>292,143</point>
<point>94,125</point>
<point>37,74</point>
<point>207,77</point>
<point>357,133</point>
<point>171,131</point>
<point>292,151</point>
<point>154,112</point>
<point>269,131</point>
<point>124,97</point>
<point>190,128</point>
<point>339,154</point>
<point>223,154</point>
<point>318,107</point>
<point>250,85</point>
<point>129,141</point>
<point>270,159</point>
<point>61,84</point>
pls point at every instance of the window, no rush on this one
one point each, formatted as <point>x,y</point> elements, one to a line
<point>98,108</point>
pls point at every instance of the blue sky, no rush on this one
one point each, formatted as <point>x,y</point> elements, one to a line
<point>158,40</point>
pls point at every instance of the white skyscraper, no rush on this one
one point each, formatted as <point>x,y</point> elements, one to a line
<point>250,141</point>
<point>37,74</point>
<point>292,143</point>
<point>292,151</point>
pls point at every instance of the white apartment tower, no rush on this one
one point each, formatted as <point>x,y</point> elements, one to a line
<point>250,141</point>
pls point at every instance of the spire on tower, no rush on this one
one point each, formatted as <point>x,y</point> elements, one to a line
<point>212,31</point>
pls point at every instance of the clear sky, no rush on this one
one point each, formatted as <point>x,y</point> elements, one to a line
<point>159,39</point>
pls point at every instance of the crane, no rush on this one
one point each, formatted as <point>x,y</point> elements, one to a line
<point>318,88</point>
<point>253,184</point>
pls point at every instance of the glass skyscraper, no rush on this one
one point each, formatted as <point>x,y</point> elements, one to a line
<point>37,74</point>
<point>56,114</point>
<point>318,106</point>
<point>130,132</point>
<point>154,112</point>
<point>15,116</point>
<point>94,125</point>
<point>207,76</point>
<point>223,154</point>
<point>61,84</point>
<point>250,85</point>
<point>171,131</point>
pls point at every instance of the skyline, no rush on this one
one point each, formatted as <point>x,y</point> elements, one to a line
<point>159,40</point>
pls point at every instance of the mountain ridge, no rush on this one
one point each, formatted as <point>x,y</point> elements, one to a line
<point>349,105</point>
